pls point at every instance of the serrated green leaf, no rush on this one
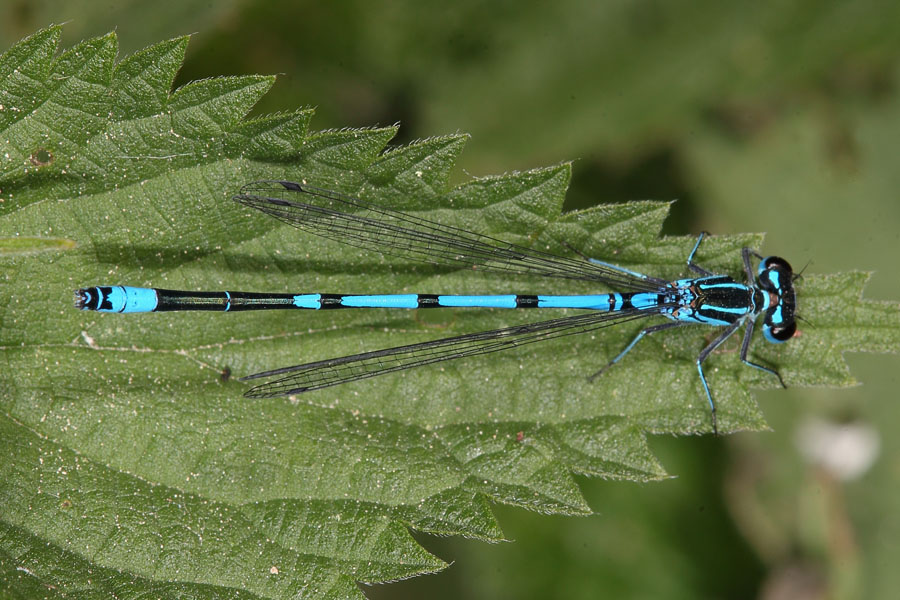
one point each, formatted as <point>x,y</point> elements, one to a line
<point>137,467</point>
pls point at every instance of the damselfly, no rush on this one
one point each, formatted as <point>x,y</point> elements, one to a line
<point>710,299</point>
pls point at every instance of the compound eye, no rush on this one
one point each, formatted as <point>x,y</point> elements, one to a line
<point>781,334</point>
<point>775,262</point>
<point>774,274</point>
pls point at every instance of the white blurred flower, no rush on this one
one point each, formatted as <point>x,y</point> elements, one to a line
<point>846,450</point>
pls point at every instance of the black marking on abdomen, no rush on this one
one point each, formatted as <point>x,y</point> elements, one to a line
<point>428,301</point>
<point>526,301</point>
<point>331,301</point>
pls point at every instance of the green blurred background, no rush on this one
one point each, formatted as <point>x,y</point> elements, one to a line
<point>777,116</point>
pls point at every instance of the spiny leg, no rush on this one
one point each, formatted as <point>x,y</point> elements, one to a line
<point>647,331</point>
<point>690,260</point>
<point>745,346</point>
<point>703,356</point>
<point>748,268</point>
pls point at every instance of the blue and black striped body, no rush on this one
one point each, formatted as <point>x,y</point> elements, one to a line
<point>708,299</point>
<point>717,300</point>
